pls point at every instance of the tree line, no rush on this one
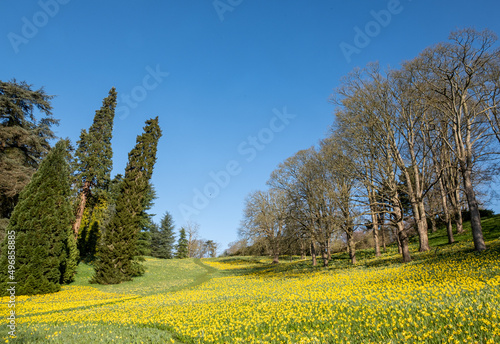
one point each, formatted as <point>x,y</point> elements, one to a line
<point>409,146</point>
<point>162,242</point>
<point>63,205</point>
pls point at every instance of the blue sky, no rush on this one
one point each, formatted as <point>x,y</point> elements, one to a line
<point>238,86</point>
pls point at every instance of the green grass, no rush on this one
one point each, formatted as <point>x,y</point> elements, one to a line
<point>165,277</point>
<point>438,242</point>
<point>89,333</point>
<point>162,276</point>
<point>491,231</point>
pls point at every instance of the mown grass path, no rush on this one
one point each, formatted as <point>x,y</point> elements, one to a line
<point>210,271</point>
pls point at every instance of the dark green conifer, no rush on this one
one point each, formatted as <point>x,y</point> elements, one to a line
<point>182,245</point>
<point>147,224</point>
<point>118,249</point>
<point>94,161</point>
<point>163,238</point>
<point>45,250</point>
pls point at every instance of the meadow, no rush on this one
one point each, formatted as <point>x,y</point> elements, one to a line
<point>450,294</point>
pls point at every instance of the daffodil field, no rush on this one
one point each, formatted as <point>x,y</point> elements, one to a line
<point>447,295</point>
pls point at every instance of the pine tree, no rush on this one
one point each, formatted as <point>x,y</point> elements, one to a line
<point>94,158</point>
<point>182,245</point>
<point>163,238</point>
<point>45,250</point>
<point>118,249</point>
<point>24,139</point>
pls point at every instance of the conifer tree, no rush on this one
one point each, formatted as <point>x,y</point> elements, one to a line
<point>118,249</point>
<point>24,139</point>
<point>182,245</point>
<point>146,225</point>
<point>163,239</point>
<point>72,257</point>
<point>45,249</point>
<point>94,159</point>
<point>93,222</point>
<point>96,217</point>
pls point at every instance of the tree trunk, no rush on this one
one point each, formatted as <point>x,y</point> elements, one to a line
<point>449,230</point>
<point>403,240</point>
<point>313,254</point>
<point>352,247</point>
<point>382,231</point>
<point>433,224</point>
<point>275,249</point>
<point>416,200</point>
<point>475,218</point>
<point>446,211</point>
<point>400,251</point>
<point>458,221</point>
<point>422,227</point>
<point>457,211</point>
<point>81,208</point>
<point>449,185</point>
<point>328,250</point>
<point>302,250</point>
<point>402,236</point>
<point>324,254</point>
<point>419,217</point>
<point>375,235</point>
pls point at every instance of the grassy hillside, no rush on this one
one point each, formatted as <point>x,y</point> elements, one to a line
<point>450,294</point>
<point>59,317</point>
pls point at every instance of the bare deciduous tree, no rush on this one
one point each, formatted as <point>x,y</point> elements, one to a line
<point>265,215</point>
<point>463,91</point>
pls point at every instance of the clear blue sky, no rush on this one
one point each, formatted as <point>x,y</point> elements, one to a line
<point>237,71</point>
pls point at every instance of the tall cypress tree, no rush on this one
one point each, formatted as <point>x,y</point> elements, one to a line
<point>94,160</point>
<point>182,245</point>
<point>116,255</point>
<point>45,249</point>
<point>163,239</point>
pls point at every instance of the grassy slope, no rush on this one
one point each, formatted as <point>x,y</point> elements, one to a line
<point>162,276</point>
<point>167,276</point>
<point>438,242</point>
